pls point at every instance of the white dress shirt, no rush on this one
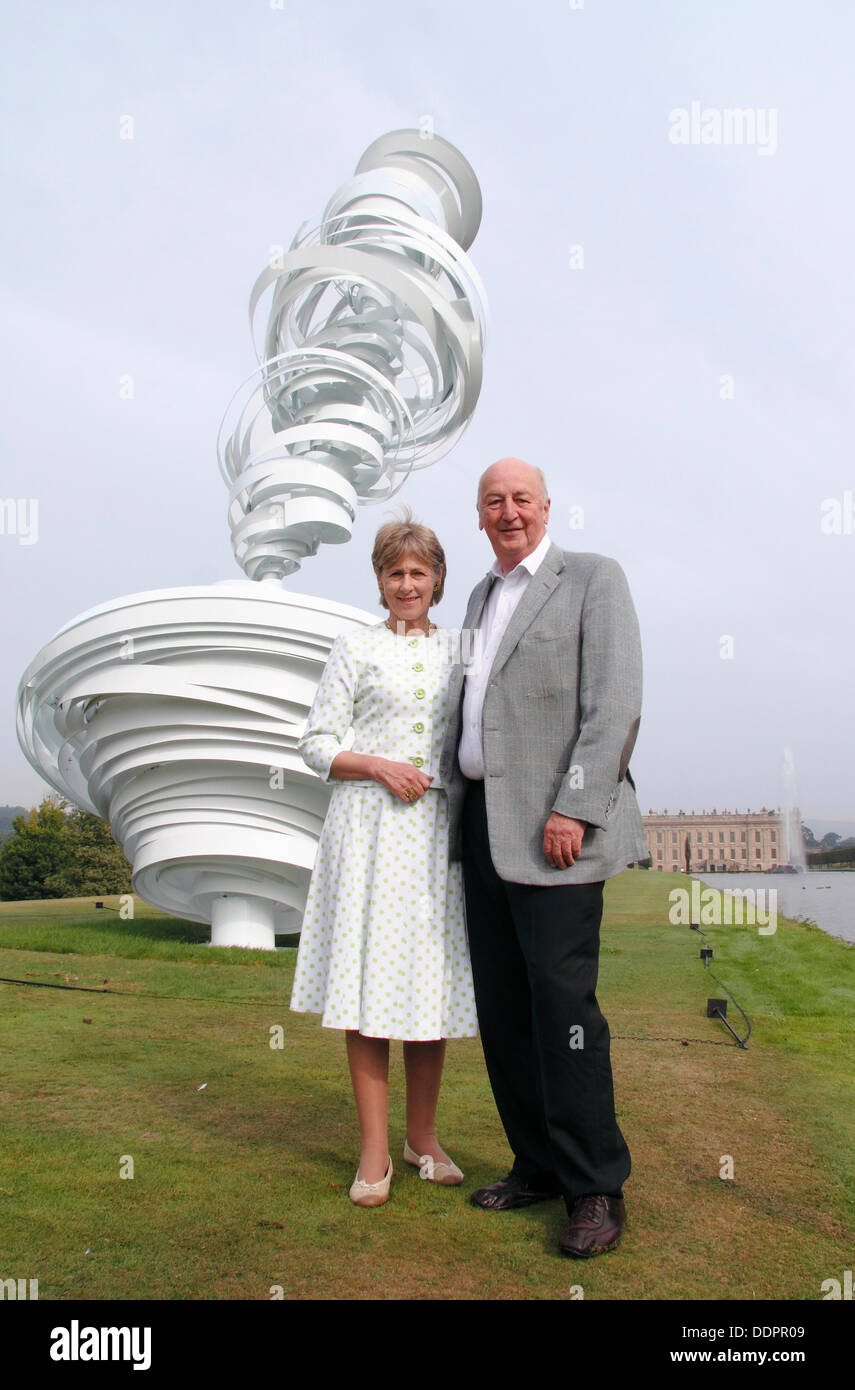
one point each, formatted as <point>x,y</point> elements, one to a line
<point>497,612</point>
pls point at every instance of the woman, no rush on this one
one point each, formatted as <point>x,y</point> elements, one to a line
<point>383,951</point>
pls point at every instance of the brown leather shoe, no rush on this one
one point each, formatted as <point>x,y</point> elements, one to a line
<point>511,1192</point>
<point>596,1222</point>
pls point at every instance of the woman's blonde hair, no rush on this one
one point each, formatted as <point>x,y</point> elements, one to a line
<point>408,537</point>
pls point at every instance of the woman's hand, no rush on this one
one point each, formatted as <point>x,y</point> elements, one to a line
<point>403,780</point>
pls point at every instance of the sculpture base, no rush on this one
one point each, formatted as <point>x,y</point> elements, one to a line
<point>242,921</point>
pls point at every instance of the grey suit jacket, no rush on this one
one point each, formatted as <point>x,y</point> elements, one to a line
<point>561,714</point>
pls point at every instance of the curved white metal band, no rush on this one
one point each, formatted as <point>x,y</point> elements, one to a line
<point>372,355</point>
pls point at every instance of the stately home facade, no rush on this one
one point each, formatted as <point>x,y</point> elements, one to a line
<point>728,841</point>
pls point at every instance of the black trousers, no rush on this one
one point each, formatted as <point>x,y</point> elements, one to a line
<point>535,956</point>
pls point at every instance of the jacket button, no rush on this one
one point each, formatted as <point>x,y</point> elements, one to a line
<point>418,762</point>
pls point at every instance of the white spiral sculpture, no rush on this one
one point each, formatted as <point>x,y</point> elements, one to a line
<point>175,714</point>
<point>372,355</point>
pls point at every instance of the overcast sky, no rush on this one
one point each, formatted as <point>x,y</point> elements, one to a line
<point>670,332</point>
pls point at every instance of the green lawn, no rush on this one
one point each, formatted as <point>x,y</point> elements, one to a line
<point>243,1153</point>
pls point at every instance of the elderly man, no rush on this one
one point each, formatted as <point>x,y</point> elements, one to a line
<point>536,768</point>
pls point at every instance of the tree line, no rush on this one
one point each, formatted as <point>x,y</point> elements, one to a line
<point>831,849</point>
<point>60,852</point>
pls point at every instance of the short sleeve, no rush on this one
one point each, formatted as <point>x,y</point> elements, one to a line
<point>331,714</point>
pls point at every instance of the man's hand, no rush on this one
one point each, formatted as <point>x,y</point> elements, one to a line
<point>562,840</point>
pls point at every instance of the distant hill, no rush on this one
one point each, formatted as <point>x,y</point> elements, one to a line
<point>845,828</point>
<point>7,815</point>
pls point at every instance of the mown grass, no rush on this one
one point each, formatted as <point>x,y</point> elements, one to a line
<point>243,1152</point>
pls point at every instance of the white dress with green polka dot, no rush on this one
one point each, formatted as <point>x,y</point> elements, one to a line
<point>383,948</point>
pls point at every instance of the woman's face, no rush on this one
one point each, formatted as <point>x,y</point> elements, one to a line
<point>408,586</point>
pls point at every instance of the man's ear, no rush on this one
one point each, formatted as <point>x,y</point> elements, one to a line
<point>547,505</point>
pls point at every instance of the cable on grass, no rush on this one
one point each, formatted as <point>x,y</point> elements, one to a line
<point>706,955</point>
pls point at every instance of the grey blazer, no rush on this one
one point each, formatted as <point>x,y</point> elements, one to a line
<point>561,714</point>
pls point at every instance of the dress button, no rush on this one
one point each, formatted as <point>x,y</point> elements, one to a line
<point>418,666</point>
<point>418,762</point>
<point>420,694</point>
<point>413,642</point>
<point>418,728</point>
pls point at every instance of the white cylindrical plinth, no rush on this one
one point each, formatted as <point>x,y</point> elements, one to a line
<point>242,921</point>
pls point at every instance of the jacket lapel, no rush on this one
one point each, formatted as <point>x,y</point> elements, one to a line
<point>477,600</point>
<point>540,586</point>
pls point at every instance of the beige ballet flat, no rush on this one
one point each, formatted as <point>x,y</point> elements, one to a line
<point>432,1169</point>
<point>371,1194</point>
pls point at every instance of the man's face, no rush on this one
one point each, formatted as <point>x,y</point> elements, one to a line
<point>512,510</point>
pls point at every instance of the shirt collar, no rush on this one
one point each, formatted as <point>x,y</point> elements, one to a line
<point>531,563</point>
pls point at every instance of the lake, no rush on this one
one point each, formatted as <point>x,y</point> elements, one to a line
<point>825,898</point>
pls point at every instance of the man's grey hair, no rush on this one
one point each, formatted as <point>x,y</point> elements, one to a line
<point>538,471</point>
<point>542,479</point>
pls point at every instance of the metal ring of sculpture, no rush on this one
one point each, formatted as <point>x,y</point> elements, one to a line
<point>372,354</point>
